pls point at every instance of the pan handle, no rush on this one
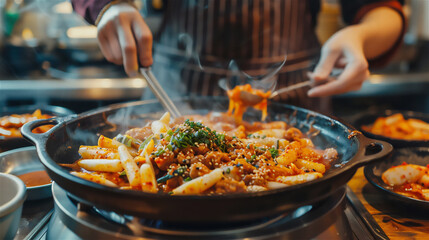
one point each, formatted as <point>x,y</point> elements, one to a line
<point>40,138</point>
<point>371,150</point>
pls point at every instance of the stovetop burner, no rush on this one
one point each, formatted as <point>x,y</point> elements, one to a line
<point>324,220</point>
<point>184,229</point>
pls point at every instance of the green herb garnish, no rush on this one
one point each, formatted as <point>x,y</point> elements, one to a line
<point>164,178</point>
<point>274,152</point>
<point>178,172</point>
<point>145,142</point>
<point>193,133</point>
<point>124,139</point>
<point>160,152</point>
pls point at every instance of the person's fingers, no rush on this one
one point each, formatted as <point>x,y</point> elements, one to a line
<point>351,79</point>
<point>144,41</point>
<point>341,63</point>
<point>115,48</point>
<point>326,63</point>
<point>108,42</point>
<point>128,49</point>
<point>103,43</point>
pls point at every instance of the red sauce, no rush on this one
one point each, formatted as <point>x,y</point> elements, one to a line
<point>36,178</point>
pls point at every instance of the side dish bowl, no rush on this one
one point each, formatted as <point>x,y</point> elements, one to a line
<point>21,161</point>
<point>368,118</point>
<point>373,172</point>
<point>8,143</point>
<point>61,144</point>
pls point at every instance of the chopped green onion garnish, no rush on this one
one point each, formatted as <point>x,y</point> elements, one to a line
<point>164,178</point>
<point>124,139</point>
<point>274,152</point>
<point>145,142</point>
<point>160,152</point>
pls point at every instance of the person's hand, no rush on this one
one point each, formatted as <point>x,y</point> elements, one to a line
<point>124,37</point>
<point>343,50</point>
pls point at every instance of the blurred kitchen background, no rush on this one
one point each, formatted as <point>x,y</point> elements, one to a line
<point>49,55</point>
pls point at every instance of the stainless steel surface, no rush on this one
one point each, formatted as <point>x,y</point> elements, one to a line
<point>81,89</point>
<point>393,85</point>
<point>364,216</point>
<point>159,92</point>
<point>35,216</point>
<point>39,230</point>
<point>25,160</point>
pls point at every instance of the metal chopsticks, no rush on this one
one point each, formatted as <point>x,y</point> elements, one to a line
<point>159,92</point>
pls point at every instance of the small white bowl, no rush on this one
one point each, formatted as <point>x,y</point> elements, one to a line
<point>12,197</point>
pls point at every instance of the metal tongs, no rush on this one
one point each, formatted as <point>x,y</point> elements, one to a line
<point>159,92</point>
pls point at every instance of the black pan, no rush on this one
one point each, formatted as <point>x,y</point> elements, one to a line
<point>61,143</point>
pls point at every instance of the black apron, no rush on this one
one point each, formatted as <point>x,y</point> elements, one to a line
<point>198,38</point>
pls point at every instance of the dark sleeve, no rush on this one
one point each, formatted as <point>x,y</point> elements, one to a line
<point>89,9</point>
<point>350,8</point>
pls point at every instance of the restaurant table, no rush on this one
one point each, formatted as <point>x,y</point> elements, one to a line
<point>398,221</point>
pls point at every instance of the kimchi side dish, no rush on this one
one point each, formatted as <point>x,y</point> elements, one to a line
<point>212,154</point>
<point>396,126</point>
<point>409,180</point>
<point>10,125</point>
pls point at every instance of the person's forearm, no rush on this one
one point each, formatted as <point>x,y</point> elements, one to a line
<point>380,29</point>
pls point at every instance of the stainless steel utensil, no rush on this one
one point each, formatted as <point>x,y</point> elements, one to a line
<point>159,92</point>
<point>252,99</point>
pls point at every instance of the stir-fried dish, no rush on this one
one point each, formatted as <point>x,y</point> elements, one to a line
<point>409,180</point>
<point>10,125</point>
<point>237,106</point>
<point>212,154</point>
<point>396,126</point>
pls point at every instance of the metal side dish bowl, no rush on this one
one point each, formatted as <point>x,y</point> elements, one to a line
<point>22,162</point>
